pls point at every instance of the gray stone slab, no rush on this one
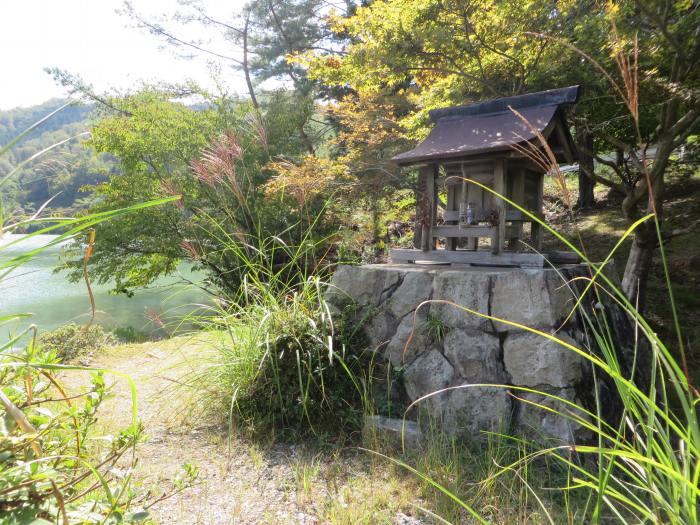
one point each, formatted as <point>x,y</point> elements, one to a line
<point>415,288</point>
<point>532,360</point>
<point>472,410</point>
<point>429,373</point>
<point>544,418</point>
<point>393,430</point>
<point>467,289</point>
<point>475,355</point>
<point>409,340</point>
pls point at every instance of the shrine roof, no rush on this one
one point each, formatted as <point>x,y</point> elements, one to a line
<point>491,126</point>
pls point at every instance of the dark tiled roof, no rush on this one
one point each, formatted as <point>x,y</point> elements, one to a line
<point>463,131</point>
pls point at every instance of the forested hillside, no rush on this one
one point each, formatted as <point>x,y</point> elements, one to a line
<point>59,174</point>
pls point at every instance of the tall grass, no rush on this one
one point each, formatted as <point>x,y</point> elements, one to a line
<point>643,467</point>
<point>279,357</point>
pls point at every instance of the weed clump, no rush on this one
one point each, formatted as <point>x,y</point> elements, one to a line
<point>281,363</point>
<point>72,341</point>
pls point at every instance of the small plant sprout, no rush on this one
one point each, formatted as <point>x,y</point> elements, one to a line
<point>435,328</point>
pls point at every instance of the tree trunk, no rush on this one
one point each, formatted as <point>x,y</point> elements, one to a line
<point>636,276</point>
<point>586,184</point>
<point>639,261</point>
<point>245,65</point>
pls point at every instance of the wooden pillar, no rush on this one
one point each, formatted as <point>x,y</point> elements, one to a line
<point>418,225</point>
<point>518,197</point>
<point>499,186</point>
<point>539,207</point>
<point>434,205</point>
<point>428,207</point>
<point>467,192</point>
<point>451,243</point>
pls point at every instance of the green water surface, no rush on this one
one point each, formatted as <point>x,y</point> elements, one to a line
<point>53,300</point>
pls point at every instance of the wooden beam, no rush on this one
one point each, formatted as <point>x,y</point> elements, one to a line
<point>480,166</point>
<point>463,231</point>
<point>419,196</point>
<point>457,179</point>
<point>511,215</point>
<point>470,232</point>
<point>434,207</point>
<point>402,255</point>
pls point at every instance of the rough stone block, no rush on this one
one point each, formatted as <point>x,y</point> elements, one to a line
<point>413,290</point>
<point>533,361</point>
<point>541,424</point>
<point>380,330</point>
<point>475,355</point>
<point>469,411</point>
<point>397,350</point>
<point>521,297</point>
<point>366,285</point>
<point>467,289</point>
<point>561,295</point>
<point>428,373</point>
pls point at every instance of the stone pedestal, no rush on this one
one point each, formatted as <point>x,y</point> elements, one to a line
<point>475,363</point>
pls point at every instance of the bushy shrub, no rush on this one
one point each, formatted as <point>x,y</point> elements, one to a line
<point>72,340</point>
<point>43,448</point>
<point>281,363</point>
<point>278,359</point>
<point>129,334</point>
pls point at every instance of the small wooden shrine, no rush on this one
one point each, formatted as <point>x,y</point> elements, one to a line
<point>487,143</point>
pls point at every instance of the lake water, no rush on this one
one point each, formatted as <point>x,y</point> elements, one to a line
<point>34,288</point>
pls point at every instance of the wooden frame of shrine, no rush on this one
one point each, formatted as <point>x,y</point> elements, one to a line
<point>484,142</point>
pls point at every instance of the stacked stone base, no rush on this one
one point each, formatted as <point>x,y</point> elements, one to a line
<point>471,373</point>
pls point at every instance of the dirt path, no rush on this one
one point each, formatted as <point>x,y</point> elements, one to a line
<point>237,483</point>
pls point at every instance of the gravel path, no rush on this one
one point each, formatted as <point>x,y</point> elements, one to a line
<point>238,482</point>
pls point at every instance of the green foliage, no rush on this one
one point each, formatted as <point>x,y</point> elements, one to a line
<point>129,334</point>
<point>55,466</point>
<point>281,29</point>
<point>284,369</point>
<point>53,453</point>
<point>437,53</point>
<point>72,340</point>
<point>15,121</point>
<point>216,158</point>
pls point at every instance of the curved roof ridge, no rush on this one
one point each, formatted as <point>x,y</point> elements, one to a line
<point>560,96</point>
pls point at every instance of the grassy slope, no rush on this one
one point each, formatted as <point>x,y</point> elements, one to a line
<point>601,227</point>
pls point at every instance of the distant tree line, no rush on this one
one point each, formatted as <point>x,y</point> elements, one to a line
<point>59,176</point>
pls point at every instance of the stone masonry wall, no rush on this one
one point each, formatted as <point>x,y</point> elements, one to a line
<point>474,350</point>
